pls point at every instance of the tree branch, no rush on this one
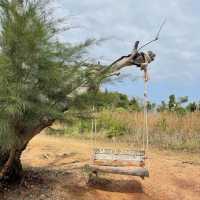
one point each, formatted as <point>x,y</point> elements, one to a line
<point>156,38</point>
<point>122,62</point>
<point>42,124</point>
<point>130,59</point>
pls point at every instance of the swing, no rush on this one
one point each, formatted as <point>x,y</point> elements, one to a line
<point>121,161</point>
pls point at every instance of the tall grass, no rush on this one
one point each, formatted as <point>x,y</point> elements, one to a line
<point>167,130</point>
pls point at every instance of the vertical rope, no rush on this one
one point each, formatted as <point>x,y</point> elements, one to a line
<point>146,115</point>
<point>95,127</point>
<point>93,133</point>
<point>143,133</point>
<point>92,137</point>
<point>146,119</point>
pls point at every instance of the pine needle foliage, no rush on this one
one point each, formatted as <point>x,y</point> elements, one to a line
<point>38,73</point>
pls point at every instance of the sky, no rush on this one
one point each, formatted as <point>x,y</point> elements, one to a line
<point>176,69</point>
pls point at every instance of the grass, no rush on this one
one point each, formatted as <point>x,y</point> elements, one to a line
<point>166,130</point>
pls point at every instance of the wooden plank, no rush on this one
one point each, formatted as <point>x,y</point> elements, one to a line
<point>119,155</point>
<point>119,163</point>
<point>141,172</point>
<point>118,151</point>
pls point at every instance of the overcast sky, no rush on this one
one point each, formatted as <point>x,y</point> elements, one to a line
<point>177,66</point>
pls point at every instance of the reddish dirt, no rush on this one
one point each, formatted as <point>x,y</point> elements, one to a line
<point>53,171</point>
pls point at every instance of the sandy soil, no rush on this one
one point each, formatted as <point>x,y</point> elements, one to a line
<point>53,171</point>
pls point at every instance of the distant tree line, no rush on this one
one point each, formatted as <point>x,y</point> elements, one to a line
<point>179,105</point>
<point>115,100</point>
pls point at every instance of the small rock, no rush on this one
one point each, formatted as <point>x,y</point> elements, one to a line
<point>45,156</point>
<point>42,196</point>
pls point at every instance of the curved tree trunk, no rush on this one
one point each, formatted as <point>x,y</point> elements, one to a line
<point>10,160</point>
<point>10,165</point>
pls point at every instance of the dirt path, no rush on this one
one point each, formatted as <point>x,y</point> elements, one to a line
<point>54,172</point>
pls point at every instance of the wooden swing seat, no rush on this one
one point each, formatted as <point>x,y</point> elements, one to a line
<point>119,162</point>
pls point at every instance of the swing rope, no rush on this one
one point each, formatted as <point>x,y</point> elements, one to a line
<point>146,128</point>
<point>145,134</point>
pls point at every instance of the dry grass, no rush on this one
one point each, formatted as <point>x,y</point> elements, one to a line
<point>166,130</point>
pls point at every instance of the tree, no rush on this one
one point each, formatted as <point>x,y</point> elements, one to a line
<point>162,107</point>
<point>135,105</point>
<point>183,100</point>
<point>198,106</point>
<point>192,107</point>
<point>100,100</point>
<point>39,77</point>
<point>172,103</point>
<point>37,73</point>
<point>151,106</point>
<point>123,101</point>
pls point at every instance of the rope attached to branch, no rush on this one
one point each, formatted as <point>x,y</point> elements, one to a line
<point>146,128</point>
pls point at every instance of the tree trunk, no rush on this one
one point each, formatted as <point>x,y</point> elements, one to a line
<point>10,160</point>
<point>10,166</point>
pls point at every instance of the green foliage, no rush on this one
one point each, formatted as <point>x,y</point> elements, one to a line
<point>123,101</point>
<point>110,125</point>
<point>101,100</point>
<point>180,111</point>
<point>162,107</point>
<point>151,106</point>
<point>178,106</point>
<point>37,72</point>
<point>183,99</point>
<point>192,107</point>
<point>172,103</point>
<point>134,105</point>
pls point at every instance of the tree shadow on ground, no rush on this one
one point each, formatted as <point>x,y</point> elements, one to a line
<point>35,181</point>
<point>114,185</point>
<point>38,182</point>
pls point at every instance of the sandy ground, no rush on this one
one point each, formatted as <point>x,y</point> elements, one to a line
<point>53,171</point>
